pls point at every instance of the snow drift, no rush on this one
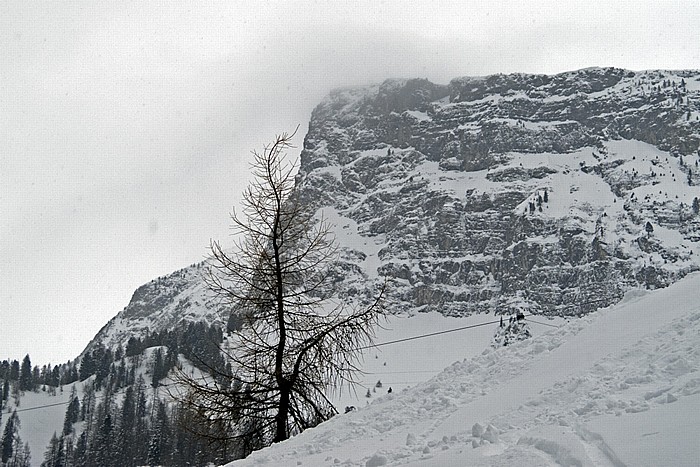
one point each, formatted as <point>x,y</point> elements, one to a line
<point>620,386</point>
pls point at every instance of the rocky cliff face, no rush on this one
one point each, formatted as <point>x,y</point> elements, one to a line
<point>488,194</point>
<point>511,190</point>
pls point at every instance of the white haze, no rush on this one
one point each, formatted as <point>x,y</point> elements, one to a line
<point>126,127</point>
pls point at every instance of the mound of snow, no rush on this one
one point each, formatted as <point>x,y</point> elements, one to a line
<point>618,387</point>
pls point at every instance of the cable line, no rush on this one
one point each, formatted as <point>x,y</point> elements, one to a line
<point>543,324</point>
<point>421,336</point>
<point>39,407</point>
<point>428,335</point>
<point>397,372</point>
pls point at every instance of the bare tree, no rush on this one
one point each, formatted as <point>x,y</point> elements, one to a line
<point>296,342</point>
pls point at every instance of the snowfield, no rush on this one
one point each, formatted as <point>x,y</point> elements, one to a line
<point>618,387</point>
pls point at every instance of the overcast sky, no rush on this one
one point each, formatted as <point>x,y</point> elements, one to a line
<point>126,127</point>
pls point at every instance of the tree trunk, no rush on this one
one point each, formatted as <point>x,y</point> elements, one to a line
<point>282,383</point>
<point>282,413</point>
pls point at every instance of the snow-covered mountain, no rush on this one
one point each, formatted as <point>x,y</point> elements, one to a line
<point>526,189</point>
<point>492,193</point>
<point>165,303</point>
<point>619,387</point>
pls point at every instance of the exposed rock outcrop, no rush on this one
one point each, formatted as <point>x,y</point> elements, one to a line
<point>530,184</point>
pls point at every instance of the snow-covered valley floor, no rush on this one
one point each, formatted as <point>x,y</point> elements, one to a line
<point>618,387</point>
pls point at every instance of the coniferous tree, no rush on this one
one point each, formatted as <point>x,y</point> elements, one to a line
<point>72,412</point>
<point>102,359</point>
<point>24,458</point>
<point>44,375</point>
<point>87,366</point>
<point>141,397</point>
<point>157,373</point>
<point>102,443</point>
<point>69,450</point>
<point>133,347</point>
<point>154,451</point>
<point>26,378</point>
<point>12,450</point>
<point>7,444</point>
<point>140,420</point>
<point>35,379</point>
<point>54,455</point>
<point>161,434</point>
<point>80,451</point>
<point>6,390</point>
<point>55,378</point>
<point>14,370</point>
<point>125,439</point>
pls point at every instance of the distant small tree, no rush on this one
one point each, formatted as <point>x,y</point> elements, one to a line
<point>14,370</point>
<point>26,379</point>
<point>649,228</point>
<point>696,205</point>
<point>158,368</point>
<point>294,344</point>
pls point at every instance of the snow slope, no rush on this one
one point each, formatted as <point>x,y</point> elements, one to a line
<point>620,386</point>
<point>400,365</point>
<point>40,415</point>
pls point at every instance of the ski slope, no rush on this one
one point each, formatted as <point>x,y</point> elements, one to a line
<point>619,387</point>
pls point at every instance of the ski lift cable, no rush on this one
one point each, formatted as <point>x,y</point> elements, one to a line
<point>55,404</point>
<point>397,372</point>
<point>38,407</point>
<point>543,324</point>
<point>421,336</point>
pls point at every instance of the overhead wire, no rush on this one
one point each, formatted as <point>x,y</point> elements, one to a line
<point>543,324</point>
<point>437,333</point>
<point>39,407</point>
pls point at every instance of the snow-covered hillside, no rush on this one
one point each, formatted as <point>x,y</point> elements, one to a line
<point>163,304</point>
<point>620,386</point>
